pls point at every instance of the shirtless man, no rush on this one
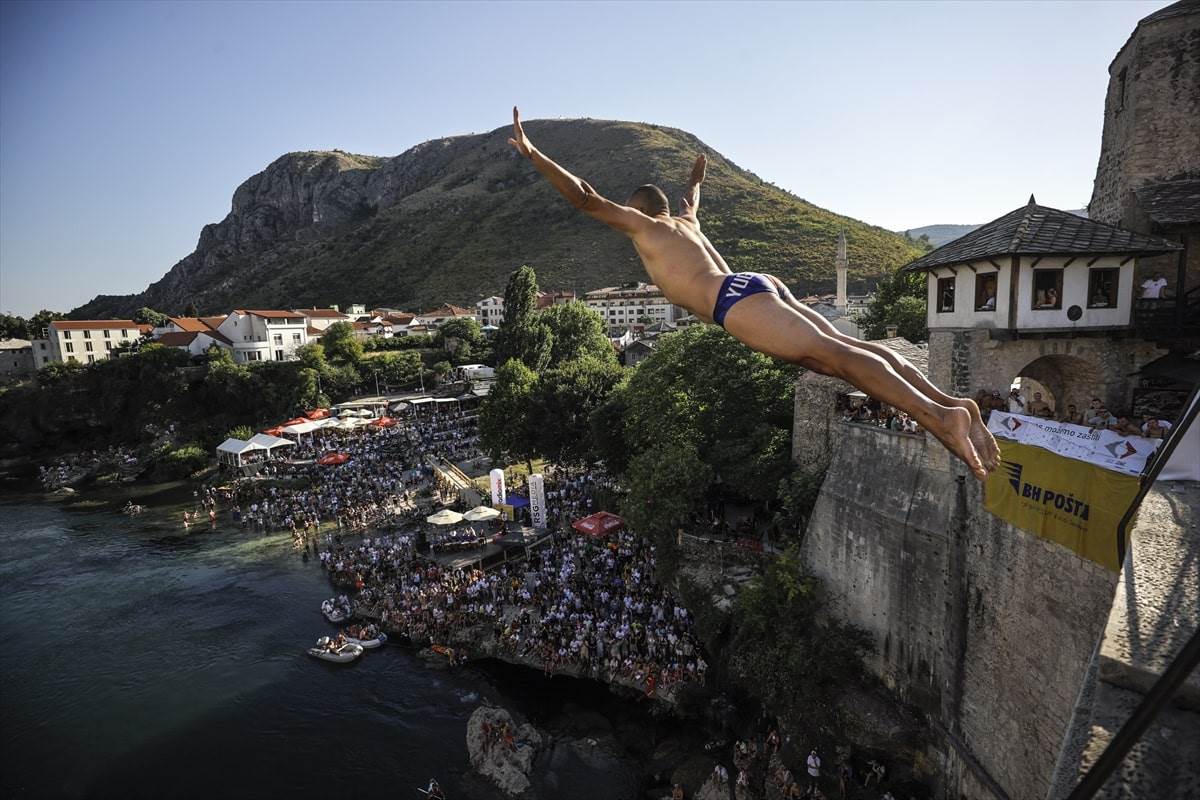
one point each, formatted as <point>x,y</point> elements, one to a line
<point>761,312</point>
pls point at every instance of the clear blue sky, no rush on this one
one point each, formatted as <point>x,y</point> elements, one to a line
<point>125,127</point>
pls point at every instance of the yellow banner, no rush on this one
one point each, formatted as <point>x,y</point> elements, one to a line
<point>1073,503</point>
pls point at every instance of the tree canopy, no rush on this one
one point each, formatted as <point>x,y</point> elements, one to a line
<point>576,332</point>
<point>900,300</point>
<point>340,343</point>
<point>523,335</point>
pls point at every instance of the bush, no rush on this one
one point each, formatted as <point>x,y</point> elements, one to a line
<point>242,432</point>
<point>181,462</point>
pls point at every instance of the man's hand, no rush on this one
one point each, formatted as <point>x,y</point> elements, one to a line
<point>698,170</point>
<point>519,140</point>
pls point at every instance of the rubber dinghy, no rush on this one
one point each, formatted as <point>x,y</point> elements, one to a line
<point>344,654</point>
<point>369,644</point>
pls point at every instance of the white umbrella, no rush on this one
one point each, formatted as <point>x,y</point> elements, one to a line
<point>481,514</point>
<point>445,517</point>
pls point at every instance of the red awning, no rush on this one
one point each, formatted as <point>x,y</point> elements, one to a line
<point>333,459</point>
<point>294,421</point>
<point>276,431</point>
<point>317,413</point>
<point>383,422</point>
<point>599,524</point>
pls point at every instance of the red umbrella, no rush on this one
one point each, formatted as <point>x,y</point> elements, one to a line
<point>599,524</point>
<point>333,459</point>
<point>317,413</point>
<point>384,422</point>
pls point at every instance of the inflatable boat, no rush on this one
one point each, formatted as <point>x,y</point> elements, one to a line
<point>344,654</point>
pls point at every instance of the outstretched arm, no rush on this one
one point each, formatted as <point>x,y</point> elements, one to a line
<point>691,197</point>
<point>578,192</point>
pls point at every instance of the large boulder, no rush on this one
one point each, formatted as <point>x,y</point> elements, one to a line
<point>508,767</point>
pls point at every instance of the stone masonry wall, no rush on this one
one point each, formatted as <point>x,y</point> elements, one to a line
<point>985,628</point>
<point>1074,369</point>
<point>1150,132</point>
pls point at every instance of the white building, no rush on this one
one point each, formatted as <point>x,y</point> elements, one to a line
<point>1036,269</point>
<point>490,310</point>
<point>632,304</point>
<point>321,318</point>
<point>196,343</point>
<point>258,335</point>
<point>85,341</point>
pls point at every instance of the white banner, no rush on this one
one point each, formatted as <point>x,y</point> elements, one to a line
<point>537,500</point>
<point>1104,448</point>
<point>496,478</point>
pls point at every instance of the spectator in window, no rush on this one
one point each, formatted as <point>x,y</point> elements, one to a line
<point>1072,416</point>
<point>989,297</point>
<point>1152,288</point>
<point>947,299</point>
<point>1153,428</point>
<point>1100,297</point>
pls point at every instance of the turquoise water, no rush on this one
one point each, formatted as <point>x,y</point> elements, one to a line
<point>142,661</point>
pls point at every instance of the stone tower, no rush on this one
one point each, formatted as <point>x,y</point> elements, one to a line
<point>842,264</point>
<point>1148,175</point>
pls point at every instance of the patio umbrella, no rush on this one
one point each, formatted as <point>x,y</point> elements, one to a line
<point>481,514</point>
<point>445,517</point>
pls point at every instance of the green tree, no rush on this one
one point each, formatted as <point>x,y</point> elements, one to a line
<point>12,327</point>
<point>506,429</point>
<point>563,402</point>
<point>312,356</point>
<point>395,370</point>
<point>40,321</point>
<point>242,432</point>
<point>522,334</point>
<point>190,310</point>
<point>666,485</point>
<point>460,336</point>
<point>900,300</point>
<point>340,343</point>
<point>577,332</point>
<point>148,316</point>
<point>703,388</point>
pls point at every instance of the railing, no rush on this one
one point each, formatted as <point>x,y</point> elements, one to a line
<point>1168,315</point>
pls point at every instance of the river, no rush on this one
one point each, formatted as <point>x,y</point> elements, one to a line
<point>140,660</point>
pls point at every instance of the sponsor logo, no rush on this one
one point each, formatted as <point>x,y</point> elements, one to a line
<point>1121,449</point>
<point>1067,503</point>
<point>1012,423</point>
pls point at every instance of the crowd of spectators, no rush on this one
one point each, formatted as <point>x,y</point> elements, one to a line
<point>880,415</point>
<point>77,466</point>
<point>385,469</point>
<point>1096,416</point>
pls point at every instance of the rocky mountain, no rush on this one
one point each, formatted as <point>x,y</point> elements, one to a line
<point>448,220</point>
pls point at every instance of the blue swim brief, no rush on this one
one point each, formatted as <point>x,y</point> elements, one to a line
<point>737,286</point>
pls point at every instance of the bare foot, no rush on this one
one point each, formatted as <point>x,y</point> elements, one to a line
<point>981,437</point>
<point>955,434</point>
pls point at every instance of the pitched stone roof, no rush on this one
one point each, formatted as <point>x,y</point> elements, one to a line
<point>1171,202</point>
<point>1042,231</point>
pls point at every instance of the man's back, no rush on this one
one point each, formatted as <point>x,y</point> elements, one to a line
<point>678,258</point>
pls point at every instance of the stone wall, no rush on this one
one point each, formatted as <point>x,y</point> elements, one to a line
<point>986,629</point>
<point>1150,112</point>
<point>1075,369</point>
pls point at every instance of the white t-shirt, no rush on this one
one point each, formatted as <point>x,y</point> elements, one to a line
<point>1152,289</point>
<point>1016,404</point>
<point>814,765</point>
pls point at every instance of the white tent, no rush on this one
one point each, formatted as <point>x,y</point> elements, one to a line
<point>307,427</point>
<point>445,517</point>
<point>481,514</point>
<point>269,442</point>
<point>231,451</point>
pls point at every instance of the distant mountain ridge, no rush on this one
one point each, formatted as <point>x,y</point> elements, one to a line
<point>940,234</point>
<point>449,219</point>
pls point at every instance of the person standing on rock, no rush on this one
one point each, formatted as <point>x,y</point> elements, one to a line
<point>814,770</point>
<point>760,311</point>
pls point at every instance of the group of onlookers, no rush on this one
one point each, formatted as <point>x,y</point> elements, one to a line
<point>1096,416</point>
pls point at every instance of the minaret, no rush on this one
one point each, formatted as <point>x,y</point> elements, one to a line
<point>842,264</point>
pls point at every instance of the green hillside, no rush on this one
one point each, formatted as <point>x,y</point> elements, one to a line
<point>449,219</point>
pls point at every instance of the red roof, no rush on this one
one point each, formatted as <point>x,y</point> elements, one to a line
<point>92,324</point>
<point>314,331</point>
<point>214,322</point>
<point>401,319</point>
<point>145,328</point>
<point>189,324</point>
<point>177,338</point>
<point>324,313</point>
<point>601,523</point>
<point>448,310</point>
